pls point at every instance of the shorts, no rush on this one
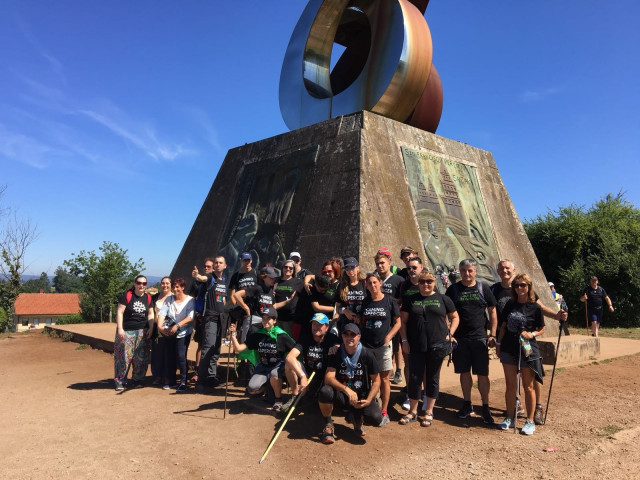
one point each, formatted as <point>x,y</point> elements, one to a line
<point>471,355</point>
<point>534,364</point>
<point>383,356</point>
<point>595,314</point>
<point>198,330</point>
<point>263,372</point>
<point>395,342</point>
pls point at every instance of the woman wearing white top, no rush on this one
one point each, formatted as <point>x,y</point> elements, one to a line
<point>157,348</point>
<point>175,322</point>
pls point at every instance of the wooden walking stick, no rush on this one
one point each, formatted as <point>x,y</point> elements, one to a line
<point>293,407</point>
<point>586,316</point>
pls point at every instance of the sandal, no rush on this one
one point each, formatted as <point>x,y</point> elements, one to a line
<point>410,417</point>
<point>427,420</point>
<point>327,436</point>
<point>277,406</point>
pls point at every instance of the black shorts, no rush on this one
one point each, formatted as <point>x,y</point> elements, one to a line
<point>471,355</point>
<point>198,329</point>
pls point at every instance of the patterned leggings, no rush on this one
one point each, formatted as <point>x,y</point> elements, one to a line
<point>132,349</point>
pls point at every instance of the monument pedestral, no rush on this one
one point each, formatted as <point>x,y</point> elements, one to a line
<point>349,185</point>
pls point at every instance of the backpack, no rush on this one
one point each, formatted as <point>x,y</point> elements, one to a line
<point>130,296</point>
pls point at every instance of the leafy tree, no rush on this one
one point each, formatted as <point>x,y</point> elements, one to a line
<point>574,243</point>
<point>64,282</point>
<point>105,276</point>
<point>16,234</point>
<point>37,284</point>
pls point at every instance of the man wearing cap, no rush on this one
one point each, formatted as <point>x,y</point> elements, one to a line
<point>212,319</point>
<point>299,271</point>
<point>313,351</point>
<point>387,253</point>
<point>391,286</point>
<point>270,345</point>
<point>352,383</point>
<point>405,254</point>
<point>244,278</point>
<point>562,306</point>
<point>502,291</point>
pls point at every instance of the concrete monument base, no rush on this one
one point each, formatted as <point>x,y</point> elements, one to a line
<point>349,185</point>
<point>573,349</point>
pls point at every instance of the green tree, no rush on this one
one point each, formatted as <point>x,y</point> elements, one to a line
<point>105,276</point>
<point>574,243</point>
<point>64,282</point>
<point>37,284</point>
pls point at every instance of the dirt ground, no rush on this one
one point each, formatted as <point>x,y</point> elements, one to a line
<point>63,419</point>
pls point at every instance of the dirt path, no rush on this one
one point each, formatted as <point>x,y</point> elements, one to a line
<point>62,419</point>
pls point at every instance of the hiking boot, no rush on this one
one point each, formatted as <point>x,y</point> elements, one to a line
<point>538,416</point>
<point>529,428</point>
<point>396,378</point>
<point>505,424</point>
<point>287,405</point>
<point>486,415</point>
<point>181,388</point>
<point>465,411</point>
<point>119,386</point>
<point>327,437</point>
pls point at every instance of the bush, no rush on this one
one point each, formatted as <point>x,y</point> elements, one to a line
<point>70,319</point>
<point>574,243</point>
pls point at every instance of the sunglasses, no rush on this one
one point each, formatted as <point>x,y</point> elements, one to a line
<point>327,272</point>
<point>426,282</point>
<point>415,267</point>
<point>350,267</point>
<point>520,285</point>
<point>287,267</point>
<point>141,283</point>
<point>349,334</point>
<point>208,266</point>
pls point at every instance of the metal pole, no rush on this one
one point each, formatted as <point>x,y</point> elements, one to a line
<point>555,360</point>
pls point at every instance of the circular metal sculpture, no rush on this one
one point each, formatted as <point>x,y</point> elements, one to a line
<point>385,67</point>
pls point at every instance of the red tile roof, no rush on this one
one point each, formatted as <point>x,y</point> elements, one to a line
<point>47,304</point>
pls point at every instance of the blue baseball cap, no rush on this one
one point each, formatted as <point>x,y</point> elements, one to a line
<point>321,318</point>
<point>246,256</point>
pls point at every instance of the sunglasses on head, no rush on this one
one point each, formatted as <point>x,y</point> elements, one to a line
<point>426,282</point>
<point>349,334</point>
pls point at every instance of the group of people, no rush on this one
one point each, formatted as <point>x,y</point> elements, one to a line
<point>338,335</point>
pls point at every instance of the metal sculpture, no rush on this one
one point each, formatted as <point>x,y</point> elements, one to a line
<point>386,66</point>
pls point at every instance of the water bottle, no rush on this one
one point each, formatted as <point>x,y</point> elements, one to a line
<point>526,346</point>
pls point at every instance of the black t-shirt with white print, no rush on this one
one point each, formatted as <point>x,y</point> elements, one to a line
<point>271,351</point>
<point>360,381</point>
<point>376,319</point>
<point>258,298</point>
<point>136,312</point>
<point>471,309</point>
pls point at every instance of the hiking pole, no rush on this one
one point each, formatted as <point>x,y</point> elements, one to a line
<point>555,360</point>
<point>293,407</point>
<point>515,416</point>
<point>226,386</point>
<point>586,317</point>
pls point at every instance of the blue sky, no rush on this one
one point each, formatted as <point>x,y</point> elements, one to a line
<point>115,116</point>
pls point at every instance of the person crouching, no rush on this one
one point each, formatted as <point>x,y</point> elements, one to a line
<point>270,345</point>
<point>352,383</point>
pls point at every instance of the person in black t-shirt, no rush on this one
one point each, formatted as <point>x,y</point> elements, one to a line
<point>244,278</point>
<point>521,319</point>
<point>352,383</point>
<point>426,338</point>
<point>471,299</point>
<point>288,288</point>
<point>134,327</point>
<point>320,298</point>
<point>595,296</point>
<point>379,322</point>
<point>350,295</point>
<point>314,351</point>
<point>210,303</point>
<point>271,345</point>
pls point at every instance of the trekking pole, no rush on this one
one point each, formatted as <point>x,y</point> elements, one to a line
<point>515,416</point>
<point>586,317</point>
<point>226,386</point>
<point>555,360</point>
<point>293,407</point>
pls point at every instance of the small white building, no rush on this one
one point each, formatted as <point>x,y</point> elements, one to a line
<point>35,310</point>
